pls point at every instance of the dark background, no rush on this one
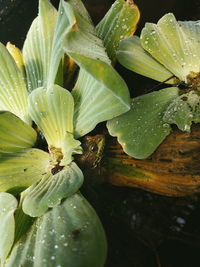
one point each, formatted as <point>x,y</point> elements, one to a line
<point>17,15</point>
<point>143,229</point>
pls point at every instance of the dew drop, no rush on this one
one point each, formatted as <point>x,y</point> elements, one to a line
<point>190,115</point>
<point>187,128</point>
<point>166,125</point>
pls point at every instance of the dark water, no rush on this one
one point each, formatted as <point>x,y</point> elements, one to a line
<point>143,229</point>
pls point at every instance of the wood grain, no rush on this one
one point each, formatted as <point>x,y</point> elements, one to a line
<point>173,170</point>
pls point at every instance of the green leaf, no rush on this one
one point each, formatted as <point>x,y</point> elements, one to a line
<point>23,222</point>
<point>51,190</point>
<point>98,99</point>
<point>61,29</point>
<point>132,56</point>
<point>97,79</point>
<point>183,111</point>
<point>53,110</point>
<point>142,129</point>
<point>22,169</point>
<point>15,135</point>
<point>13,92</point>
<point>8,205</point>
<point>192,30</point>
<point>68,235</point>
<point>169,43</point>
<point>118,23</point>
<point>38,46</point>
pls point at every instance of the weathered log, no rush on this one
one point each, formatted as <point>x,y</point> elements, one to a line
<point>173,169</point>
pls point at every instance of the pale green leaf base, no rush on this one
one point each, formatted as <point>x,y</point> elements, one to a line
<point>52,110</point>
<point>51,190</point>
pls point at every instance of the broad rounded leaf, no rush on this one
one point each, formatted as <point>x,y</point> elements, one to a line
<point>132,56</point>
<point>13,92</point>
<point>51,190</point>
<point>172,46</point>
<point>8,205</point>
<point>97,79</point>
<point>142,129</point>
<point>118,23</point>
<point>68,235</point>
<point>183,111</point>
<point>38,46</point>
<point>15,135</point>
<point>53,110</point>
<point>22,169</point>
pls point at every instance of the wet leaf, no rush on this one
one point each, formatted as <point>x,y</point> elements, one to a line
<point>119,22</point>
<point>52,110</point>
<point>170,44</point>
<point>51,190</point>
<point>61,29</point>
<point>8,205</point>
<point>192,30</point>
<point>97,79</point>
<point>15,135</point>
<point>38,46</point>
<point>142,129</point>
<point>22,169</point>
<point>132,56</point>
<point>183,111</point>
<point>13,92</point>
<point>68,235</point>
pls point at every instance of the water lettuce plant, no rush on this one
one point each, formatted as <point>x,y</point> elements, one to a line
<point>45,220</point>
<point>168,52</point>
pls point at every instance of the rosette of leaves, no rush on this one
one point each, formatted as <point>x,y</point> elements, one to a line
<point>53,224</point>
<point>168,52</point>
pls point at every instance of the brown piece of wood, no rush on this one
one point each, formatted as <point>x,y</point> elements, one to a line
<point>173,169</point>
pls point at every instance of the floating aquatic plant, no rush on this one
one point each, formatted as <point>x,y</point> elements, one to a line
<point>45,221</point>
<point>168,52</point>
